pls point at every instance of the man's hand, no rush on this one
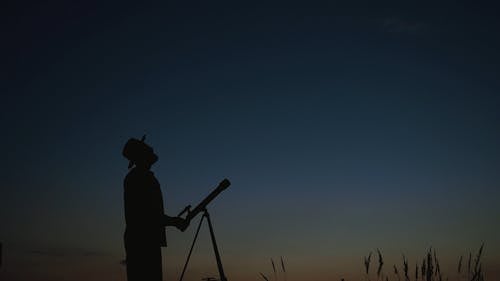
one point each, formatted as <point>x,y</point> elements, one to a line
<point>181,223</point>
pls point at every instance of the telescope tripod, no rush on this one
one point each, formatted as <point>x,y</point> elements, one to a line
<point>206,215</point>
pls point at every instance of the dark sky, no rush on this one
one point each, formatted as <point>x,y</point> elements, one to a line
<point>344,128</point>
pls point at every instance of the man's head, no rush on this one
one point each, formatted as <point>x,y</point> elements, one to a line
<point>139,153</point>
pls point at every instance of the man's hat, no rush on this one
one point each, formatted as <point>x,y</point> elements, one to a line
<point>135,150</point>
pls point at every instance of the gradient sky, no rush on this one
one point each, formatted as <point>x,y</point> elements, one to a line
<point>343,128</point>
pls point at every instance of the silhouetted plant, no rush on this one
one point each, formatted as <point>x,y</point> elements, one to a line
<point>416,271</point>
<point>477,274</point>
<point>430,266</point>
<point>405,268</point>
<point>438,268</point>
<point>283,267</point>
<point>263,276</point>
<point>423,269</point>
<point>380,263</point>
<point>274,270</point>
<point>396,272</point>
<point>367,261</point>
<point>460,265</point>
<point>469,266</point>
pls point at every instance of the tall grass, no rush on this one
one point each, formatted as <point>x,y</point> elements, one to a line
<point>263,276</point>
<point>275,270</point>
<point>380,263</point>
<point>429,269</point>
<point>367,261</point>
<point>283,268</point>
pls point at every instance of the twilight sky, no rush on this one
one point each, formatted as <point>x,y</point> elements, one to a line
<point>343,128</point>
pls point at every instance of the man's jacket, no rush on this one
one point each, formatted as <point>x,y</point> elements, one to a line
<point>144,212</point>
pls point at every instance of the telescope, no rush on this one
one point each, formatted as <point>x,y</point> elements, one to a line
<point>203,205</point>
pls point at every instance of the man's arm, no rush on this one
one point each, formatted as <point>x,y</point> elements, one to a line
<point>178,222</point>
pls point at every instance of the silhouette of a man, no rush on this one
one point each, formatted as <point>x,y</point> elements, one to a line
<point>144,214</point>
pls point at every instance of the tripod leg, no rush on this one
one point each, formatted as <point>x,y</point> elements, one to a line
<point>216,250</point>
<point>191,250</point>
